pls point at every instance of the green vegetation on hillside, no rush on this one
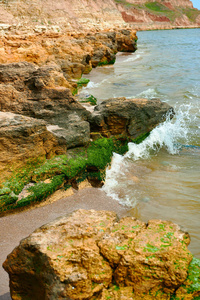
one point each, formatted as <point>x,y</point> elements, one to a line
<point>160,9</point>
<point>192,14</point>
<point>156,6</point>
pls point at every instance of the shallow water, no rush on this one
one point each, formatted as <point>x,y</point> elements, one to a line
<point>160,178</point>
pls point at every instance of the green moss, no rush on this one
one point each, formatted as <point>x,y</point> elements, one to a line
<point>121,247</point>
<point>107,62</point>
<point>141,138</point>
<point>75,91</point>
<point>91,99</point>
<point>6,200</point>
<point>87,162</point>
<point>82,81</point>
<point>41,191</point>
<point>100,152</point>
<point>193,281</point>
<point>194,276</point>
<point>150,248</point>
<point>137,226</point>
<point>162,227</point>
<point>5,190</point>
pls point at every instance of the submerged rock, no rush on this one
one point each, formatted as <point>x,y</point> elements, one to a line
<point>131,117</point>
<point>93,255</point>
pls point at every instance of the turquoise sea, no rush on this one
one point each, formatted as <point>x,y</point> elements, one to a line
<point>160,178</point>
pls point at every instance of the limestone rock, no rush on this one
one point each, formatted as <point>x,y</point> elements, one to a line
<point>42,93</point>
<point>24,139</point>
<point>93,255</point>
<point>76,132</point>
<point>71,52</point>
<point>131,117</point>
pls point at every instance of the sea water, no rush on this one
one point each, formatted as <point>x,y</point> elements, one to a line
<point>159,178</point>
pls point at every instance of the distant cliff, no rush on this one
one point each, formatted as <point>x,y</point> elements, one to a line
<point>38,15</point>
<point>159,14</point>
<point>20,16</point>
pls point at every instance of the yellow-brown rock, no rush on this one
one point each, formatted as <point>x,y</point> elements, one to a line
<point>72,52</point>
<point>93,255</point>
<point>24,139</point>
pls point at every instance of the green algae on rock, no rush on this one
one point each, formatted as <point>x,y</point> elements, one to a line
<point>93,255</point>
<point>61,171</point>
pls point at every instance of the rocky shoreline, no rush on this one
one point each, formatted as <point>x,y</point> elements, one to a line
<point>41,119</point>
<point>50,141</point>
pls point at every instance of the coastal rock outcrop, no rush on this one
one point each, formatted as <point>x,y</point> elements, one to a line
<point>93,255</point>
<point>24,139</point>
<point>37,92</point>
<point>72,52</point>
<point>130,117</point>
<point>42,93</point>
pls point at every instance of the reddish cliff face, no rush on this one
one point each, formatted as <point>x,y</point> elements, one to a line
<point>159,14</point>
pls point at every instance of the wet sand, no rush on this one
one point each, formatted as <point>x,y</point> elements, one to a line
<point>15,227</point>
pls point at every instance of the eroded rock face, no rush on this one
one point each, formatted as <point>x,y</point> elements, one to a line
<point>67,14</point>
<point>74,53</point>
<point>25,139</point>
<point>93,255</point>
<point>42,93</point>
<point>130,117</point>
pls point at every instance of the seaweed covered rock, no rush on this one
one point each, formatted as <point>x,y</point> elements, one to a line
<point>24,139</point>
<point>93,255</point>
<point>131,117</point>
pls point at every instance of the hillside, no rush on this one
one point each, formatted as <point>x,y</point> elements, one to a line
<point>159,14</point>
<point>18,16</point>
<point>38,15</point>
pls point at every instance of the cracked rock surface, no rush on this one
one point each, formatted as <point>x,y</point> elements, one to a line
<point>93,255</point>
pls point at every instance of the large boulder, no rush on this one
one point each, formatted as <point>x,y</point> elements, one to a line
<point>24,139</point>
<point>43,93</point>
<point>93,255</point>
<point>130,117</point>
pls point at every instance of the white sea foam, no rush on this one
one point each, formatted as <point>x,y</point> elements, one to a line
<point>133,57</point>
<point>166,135</point>
<point>149,94</point>
<point>91,85</point>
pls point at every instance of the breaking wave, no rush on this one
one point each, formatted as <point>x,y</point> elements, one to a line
<point>170,135</point>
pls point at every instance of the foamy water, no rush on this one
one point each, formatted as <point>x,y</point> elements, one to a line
<point>165,136</point>
<point>159,178</point>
